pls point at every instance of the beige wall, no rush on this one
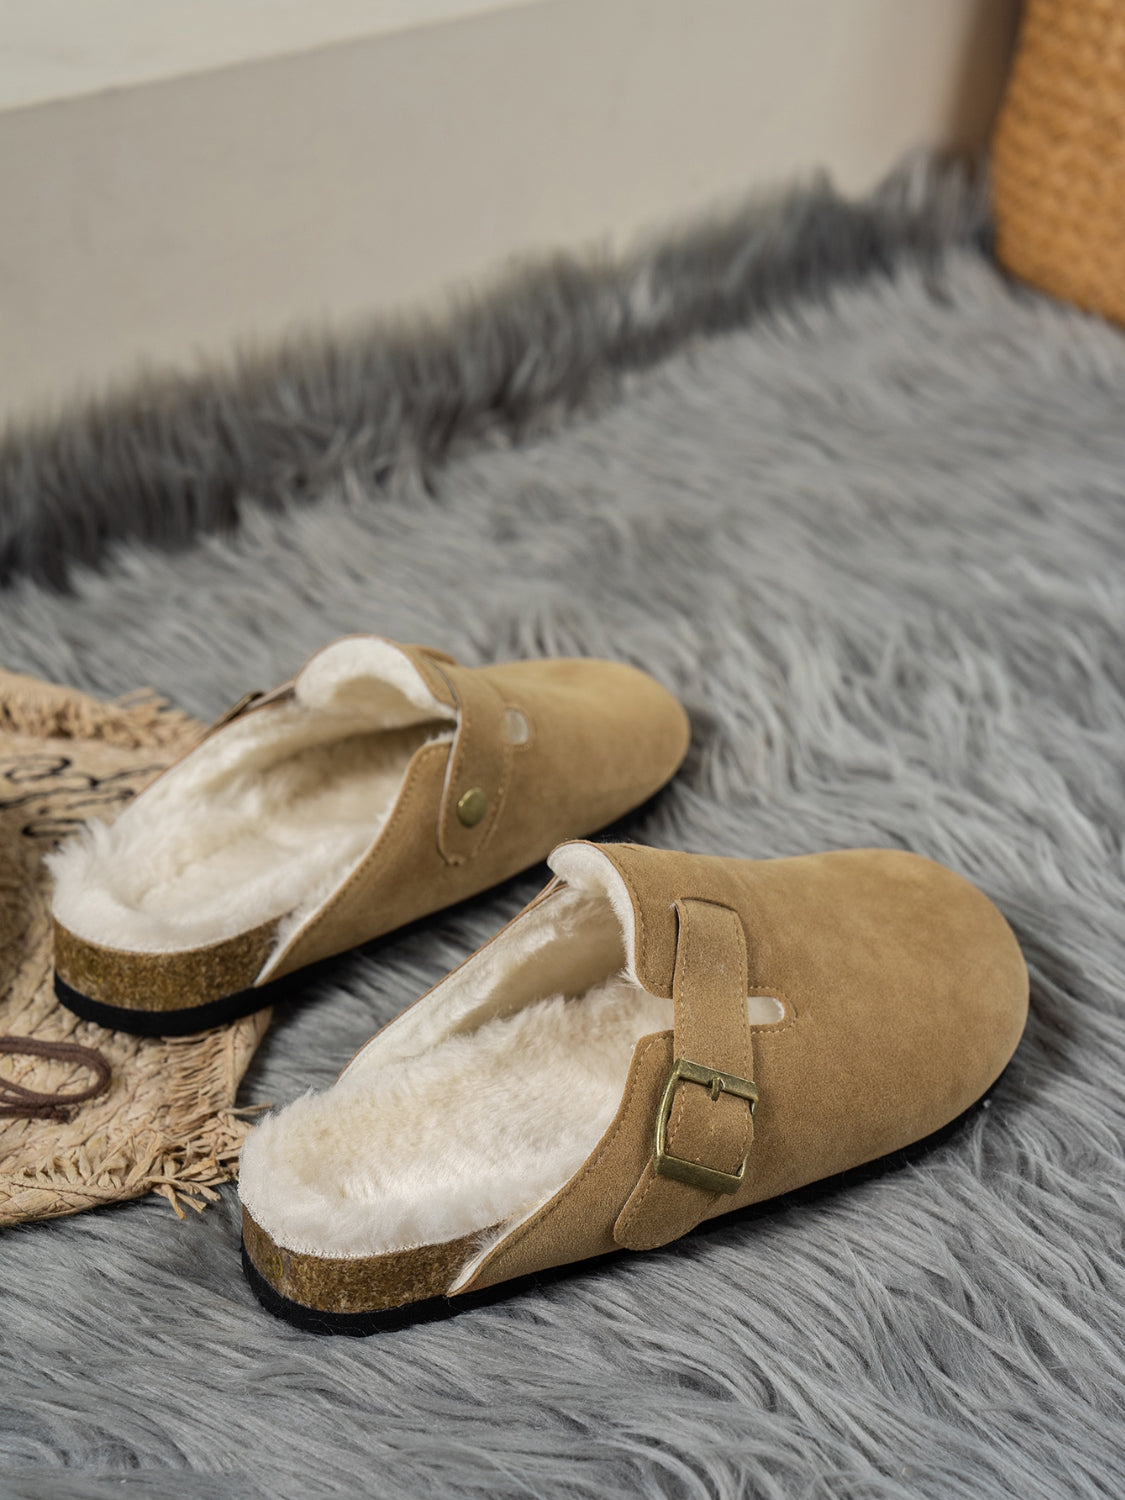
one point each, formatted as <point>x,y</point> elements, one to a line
<point>166,221</point>
<point>62,49</point>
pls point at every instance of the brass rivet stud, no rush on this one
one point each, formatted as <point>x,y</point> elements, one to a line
<point>472,806</point>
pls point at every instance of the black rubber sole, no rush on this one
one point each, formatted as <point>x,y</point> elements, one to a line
<point>165,1022</point>
<point>363,1324</point>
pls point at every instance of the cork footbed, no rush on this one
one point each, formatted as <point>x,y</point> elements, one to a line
<point>346,1287</point>
<point>262,823</point>
<point>160,982</point>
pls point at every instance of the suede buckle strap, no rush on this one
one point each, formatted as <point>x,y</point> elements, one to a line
<point>705,1124</point>
<point>479,767</point>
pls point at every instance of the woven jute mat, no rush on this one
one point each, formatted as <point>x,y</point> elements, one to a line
<point>167,1121</point>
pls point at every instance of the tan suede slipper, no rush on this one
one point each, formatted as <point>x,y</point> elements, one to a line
<point>657,1039</point>
<point>383,783</point>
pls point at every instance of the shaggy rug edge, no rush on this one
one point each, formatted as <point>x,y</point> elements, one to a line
<point>169,457</point>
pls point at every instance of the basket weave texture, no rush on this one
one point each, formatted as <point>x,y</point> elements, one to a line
<point>1058,154</point>
<point>167,1123</point>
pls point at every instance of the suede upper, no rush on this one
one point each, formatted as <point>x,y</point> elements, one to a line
<point>905,995</point>
<point>899,994</point>
<point>501,762</point>
<point>600,738</point>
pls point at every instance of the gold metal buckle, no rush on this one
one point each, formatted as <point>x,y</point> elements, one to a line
<point>708,1178</point>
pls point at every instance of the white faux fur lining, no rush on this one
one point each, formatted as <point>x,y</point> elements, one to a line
<point>585,867</point>
<point>266,819</point>
<point>373,675</point>
<point>477,1104</point>
<point>462,1138</point>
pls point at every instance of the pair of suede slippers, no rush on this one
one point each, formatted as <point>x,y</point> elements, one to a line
<point>657,1039</point>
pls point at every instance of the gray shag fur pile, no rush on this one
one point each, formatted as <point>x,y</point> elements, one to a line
<point>861,503</point>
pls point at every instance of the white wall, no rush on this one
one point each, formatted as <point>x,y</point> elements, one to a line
<point>61,49</point>
<point>166,218</point>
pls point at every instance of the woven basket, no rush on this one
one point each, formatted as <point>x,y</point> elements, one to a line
<point>1058,154</point>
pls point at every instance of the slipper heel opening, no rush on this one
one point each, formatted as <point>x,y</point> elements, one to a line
<point>264,820</point>
<point>466,1113</point>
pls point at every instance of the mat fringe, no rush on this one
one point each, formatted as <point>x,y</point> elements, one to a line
<point>47,710</point>
<point>168,1123</point>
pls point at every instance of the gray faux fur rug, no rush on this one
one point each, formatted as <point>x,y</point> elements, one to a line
<point>860,503</point>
